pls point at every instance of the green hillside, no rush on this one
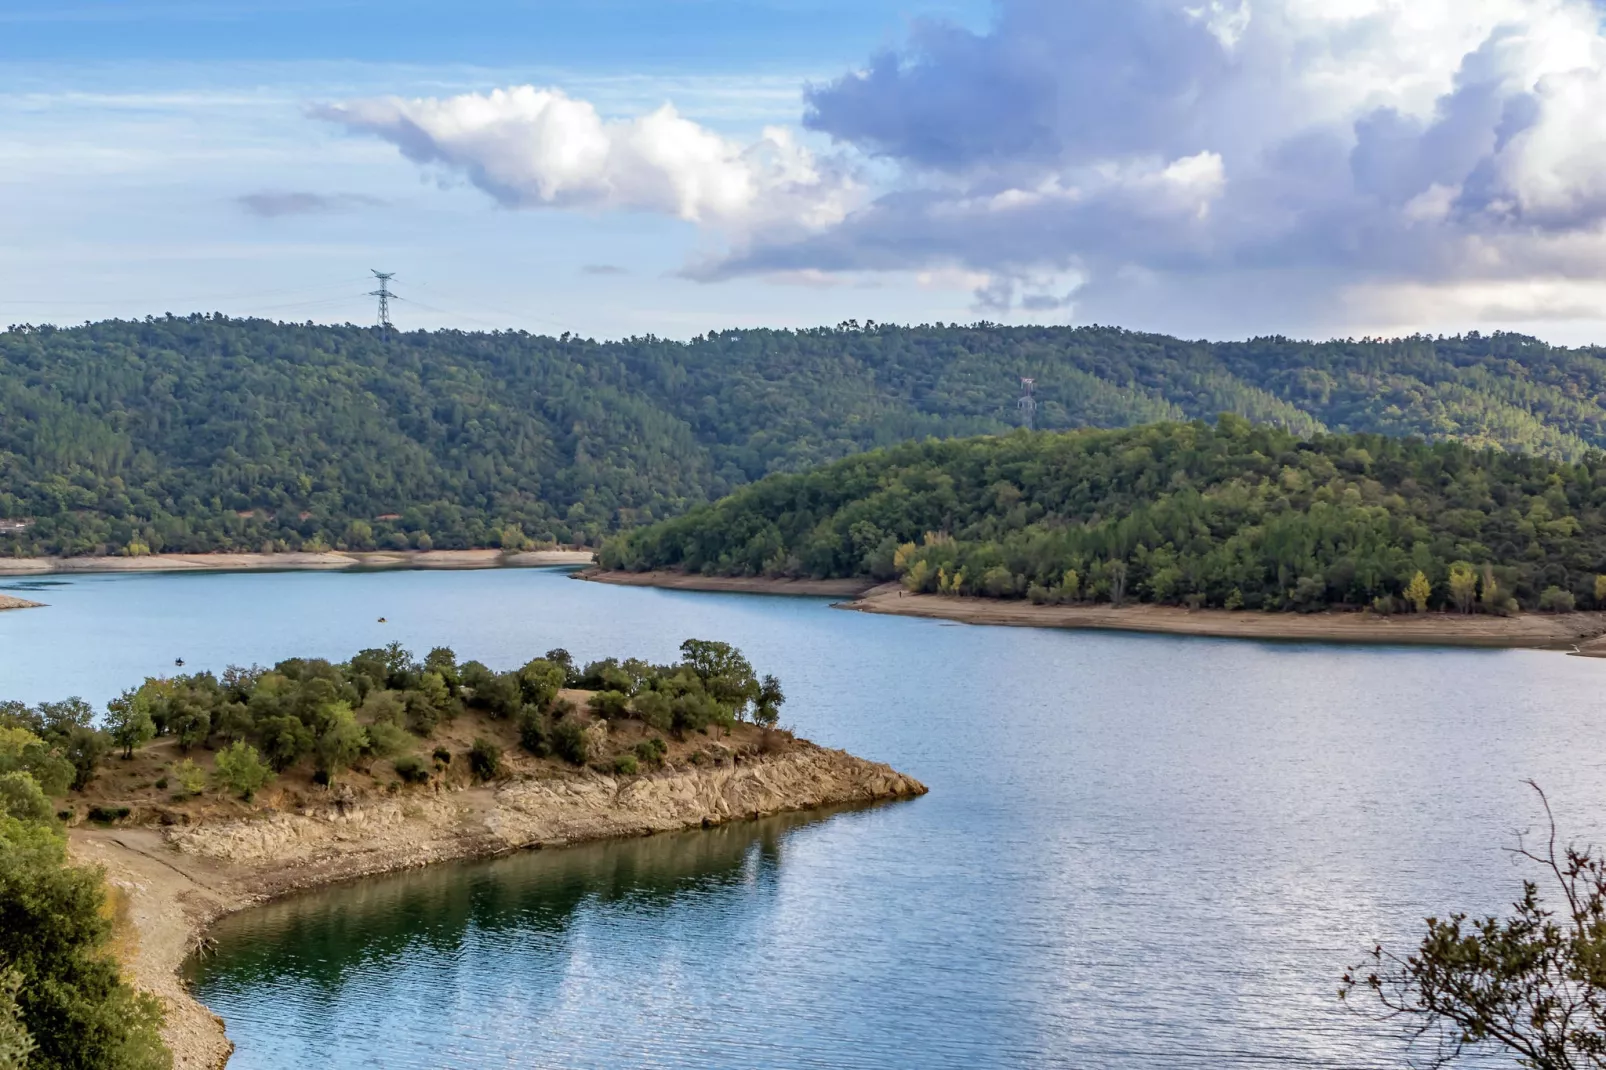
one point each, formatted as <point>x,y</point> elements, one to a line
<point>1235,515</point>
<point>205,433</point>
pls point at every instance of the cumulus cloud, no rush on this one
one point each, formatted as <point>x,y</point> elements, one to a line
<point>272,204</point>
<point>535,148</point>
<point>1210,157</point>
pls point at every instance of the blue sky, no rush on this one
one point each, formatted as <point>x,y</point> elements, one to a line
<point>671,36</point>
<point>1216,168</point>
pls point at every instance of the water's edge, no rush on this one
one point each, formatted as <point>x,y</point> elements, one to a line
<point>171,885</point>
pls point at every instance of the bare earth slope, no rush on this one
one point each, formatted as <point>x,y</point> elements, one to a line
<point>175,881</point>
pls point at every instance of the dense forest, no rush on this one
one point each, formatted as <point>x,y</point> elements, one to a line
<point>1230,515</point>
<point>382,705</point>
<point>206,433</point>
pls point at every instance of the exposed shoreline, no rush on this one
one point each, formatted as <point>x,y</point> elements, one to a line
<point>171,884</point>
<point>296,562</point>
<point>691,581</point>
<point>1553,631</point>
<point>8,602</point>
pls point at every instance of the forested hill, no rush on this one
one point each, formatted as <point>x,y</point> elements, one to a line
<point>1234,515</point>
<point>204,433</point>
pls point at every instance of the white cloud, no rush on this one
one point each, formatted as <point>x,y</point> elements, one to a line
<point>531,147</point>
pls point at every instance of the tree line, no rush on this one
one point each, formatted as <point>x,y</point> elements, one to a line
<point>204,433</point>
<point>384,704</point>
<point>1231,515</point>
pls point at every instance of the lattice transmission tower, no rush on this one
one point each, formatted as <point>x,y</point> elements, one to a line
<point>1028,403</point>
<point>384,295</point>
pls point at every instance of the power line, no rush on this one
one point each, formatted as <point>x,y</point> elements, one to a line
<point>384,295</point>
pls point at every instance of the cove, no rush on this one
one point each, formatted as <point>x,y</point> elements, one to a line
<point>1138,851</point>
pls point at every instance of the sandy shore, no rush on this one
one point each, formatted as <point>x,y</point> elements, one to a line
<point>400,559</point>
<point>8,602</point>
<point>171,883</point>
<point>1560,631</point>
<point>687,581</point>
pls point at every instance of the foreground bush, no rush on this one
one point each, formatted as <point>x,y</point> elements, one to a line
<point>63,1003</point>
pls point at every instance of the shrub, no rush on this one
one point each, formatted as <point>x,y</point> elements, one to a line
<point>285,740</point>
<point>625,765</point>
<point>652,751</point>
<point>694,711</point>
<point>652,709</point>
<point>1556,600</point>
<point>534,735</point>
<point>240,769</point>
<point>108,814</point>
<point>569,741</point>
<point>500,696</point>
<point>541,680</point>
<point>998,582</point>
<point>609,704</point>
<point>485,759</point>
<point>161,783</point>
<point>21,798</point>
<point>386,740</point>
<point>85,748</point>
<point>442,756</point>
<point>191,778</point>
<point>341,740</point>
<point>412,768</point>
<point>23,752</point>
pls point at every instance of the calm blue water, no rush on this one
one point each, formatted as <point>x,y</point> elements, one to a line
<point>1137,851</point>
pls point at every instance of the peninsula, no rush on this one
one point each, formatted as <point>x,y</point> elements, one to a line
<point>230,791</point>
<point>8,602</point>
<point>1227,529</point>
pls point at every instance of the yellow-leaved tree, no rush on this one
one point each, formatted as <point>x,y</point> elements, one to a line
<point>901,556</point>
<point>1418,591</point>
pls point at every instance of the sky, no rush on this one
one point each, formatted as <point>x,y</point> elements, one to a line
<point>1205,168</point>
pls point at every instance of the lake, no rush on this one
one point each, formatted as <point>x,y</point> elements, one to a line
<point>1138,851</point>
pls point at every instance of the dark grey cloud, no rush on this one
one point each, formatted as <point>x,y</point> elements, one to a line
<point>1054,81</point>
<point>272,204</point>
